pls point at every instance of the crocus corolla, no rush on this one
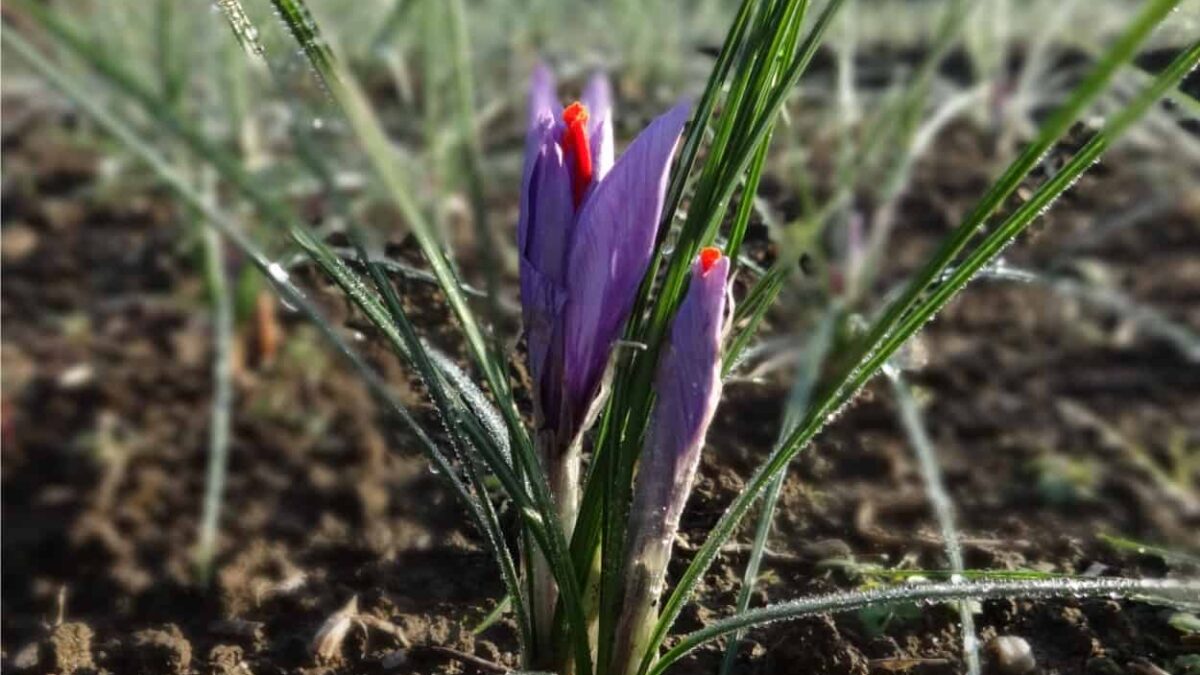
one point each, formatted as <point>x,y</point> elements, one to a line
<point>586,233</point>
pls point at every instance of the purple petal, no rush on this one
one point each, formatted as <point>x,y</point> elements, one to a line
<point>688,382</point>
<point>549,214</point>
<point>688,386</point>
<point>597,96</point>
<point>540,130</point>
<point>611,247</point>
<point>543,97</point>
<point>542,303</point>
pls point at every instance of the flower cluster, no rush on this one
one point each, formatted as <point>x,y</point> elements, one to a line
<point>586,234</point>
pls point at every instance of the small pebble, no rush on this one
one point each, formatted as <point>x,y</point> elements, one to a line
<point>1010,655</point>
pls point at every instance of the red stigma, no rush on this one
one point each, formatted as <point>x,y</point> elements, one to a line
<point>709,255</point>
<point>576,149</point>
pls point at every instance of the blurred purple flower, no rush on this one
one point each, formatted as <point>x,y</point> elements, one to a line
<point>586,233</point>
<point>688,385</point>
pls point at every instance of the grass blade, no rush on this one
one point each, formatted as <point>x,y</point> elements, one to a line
<point>433,379</point>
<point>243,28</point>
<point>939,499</point>
<point>465,116</point>
<point>222,401</point>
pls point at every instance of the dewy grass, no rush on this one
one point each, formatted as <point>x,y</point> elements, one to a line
<point>639,277</point>
<point>1160,590</point>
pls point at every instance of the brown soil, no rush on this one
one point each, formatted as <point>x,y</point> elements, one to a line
<point>1043,414</point>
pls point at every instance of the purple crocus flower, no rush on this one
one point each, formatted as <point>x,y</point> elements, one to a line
<point>586,233</point>
<point>688,384</point>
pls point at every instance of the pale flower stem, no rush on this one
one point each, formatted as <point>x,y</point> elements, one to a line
<point>562,474</point>
<point>645,573</point>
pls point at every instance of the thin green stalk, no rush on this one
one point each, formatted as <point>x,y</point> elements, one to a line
<point>1153,12</point>
<point>939,499</point>
<point>391,24</point>
<point>275,212</point>
<point>1146,318</point>
<point>700,120</point>
<point>741,221</point>
<point>466,116</point>
<point>433,379</point>
<point>588,525</point>
<point>243,28</point>
<point>222,399</point>
<point>632,396</point>
<point>628,444</point>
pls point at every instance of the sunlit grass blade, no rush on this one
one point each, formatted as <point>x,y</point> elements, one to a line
<point>588,524</point>
<point>433,380</point>
<point>466,118</point>
<point>243,28</point>
<point>222,401</point>
<point>923,575</point>
<point>1171,556</point>
<point>898,325</point>
<point>939,499</point>
<point>1054,128</point>
<point>392,23</point>
<point>741,221</point>
<point>766,38</point>
<point>713,199</point>
<point>1156,590</point>
<point>701,118</point>
<point>889,126</point>
<point>748,118</point>
<point>374,142</point>
<point>299,22</point>
<point>1147,319</point>
<point>493,616</point>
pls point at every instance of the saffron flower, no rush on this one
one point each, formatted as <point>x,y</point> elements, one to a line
<point>688,382</point>
<point>586,234</point>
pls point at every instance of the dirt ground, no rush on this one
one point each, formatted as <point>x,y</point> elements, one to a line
<point>1046,416</point>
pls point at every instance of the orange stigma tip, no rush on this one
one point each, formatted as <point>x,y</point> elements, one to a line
<point>709,255</point>
<point>577,149</point>
<point>576,112</point>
